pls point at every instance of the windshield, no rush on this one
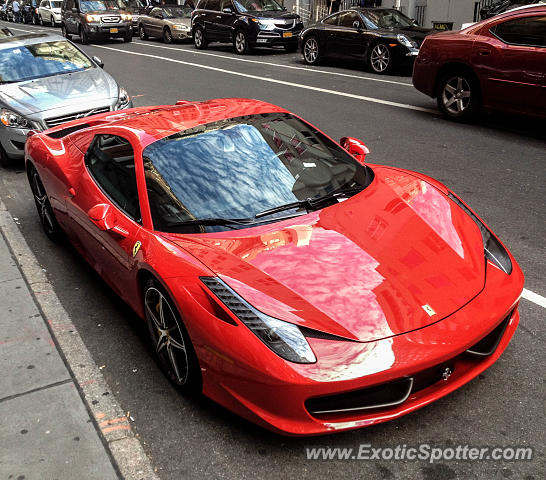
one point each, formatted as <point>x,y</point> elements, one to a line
<point>257,6</point>
<point>56,4</point>
<point>100,5</point>
<point>177,12</point>
<point>41,60</point>
<point>239,167</point>
<point>389,18</point>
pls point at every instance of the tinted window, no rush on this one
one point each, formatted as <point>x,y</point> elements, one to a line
<point>331,20</point>
<point>238,167</point>
<point>523,31</point>
<point>213,5</point>
<point>226,4</point>
<point>201,4</point>
<point>346,19</point>
<point>111,162</point>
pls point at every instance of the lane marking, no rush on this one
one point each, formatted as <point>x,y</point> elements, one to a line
<point>306,69</point>
<point>280,82</point>
<point>534,297</point>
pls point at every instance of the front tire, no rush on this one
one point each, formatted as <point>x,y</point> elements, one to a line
<point>169,339</point>
<point>380,59</point>
<point>311,51</point>
<point>458,96</point>
<point>199,39</point>
<point>240,43</point>
<point>64,32</point>
<point>167,35</point>
<point>45,212</point>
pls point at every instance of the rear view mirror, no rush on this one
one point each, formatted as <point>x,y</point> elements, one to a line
<point>103,216</point>
<point>98,61</point>
<point>357,148</point>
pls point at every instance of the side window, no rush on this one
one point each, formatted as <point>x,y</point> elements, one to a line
<point>332,20</point>
<point>156,12</point>
<point>346,19</point>
<point>111,162</point>
<point>202,5</point>
<point>522,31</point>
<point>213,5</point>
<point>227,4</point>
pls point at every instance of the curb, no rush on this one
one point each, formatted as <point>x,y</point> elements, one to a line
<point>109,418</point>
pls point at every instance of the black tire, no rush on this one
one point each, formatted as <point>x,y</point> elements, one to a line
<point>199,38</point>
<point>291,48</point>
<point>84,39</point>
<point>35,20</point>
<point>167,35</point>
<point>128,38</point>
<point>41,21</point>
<point>380,58</point>
<point>64,32</point>
<point>311,50</point>
<point>240,43</point>
<point>45,212</point>
<point>169,339</point>
<point>458,96</point>
<point>142,33</point>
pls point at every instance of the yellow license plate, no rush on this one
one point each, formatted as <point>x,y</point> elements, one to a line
<point>287,34</point>
<point>113,30</point>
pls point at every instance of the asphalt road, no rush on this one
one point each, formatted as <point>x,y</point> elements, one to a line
<point>498,166</point>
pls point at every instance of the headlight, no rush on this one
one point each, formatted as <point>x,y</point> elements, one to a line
<point>92,18</point>
<point>126,16</point>
<point>406,41</point>
<point>181,27</point>
<point>266,24</point>
<point>12,119</point>
<point>494,251</point>
<point>123,98</point>
<point>283,338</point>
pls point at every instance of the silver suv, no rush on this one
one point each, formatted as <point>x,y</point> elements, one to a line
<point>45,81</point>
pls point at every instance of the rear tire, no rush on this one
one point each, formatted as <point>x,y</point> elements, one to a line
<point>458,96</point>
<point>142,33</point>
<point>199,39</point>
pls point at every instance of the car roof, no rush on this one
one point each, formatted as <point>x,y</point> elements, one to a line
<point>28,39</point>
<point>542,3</point>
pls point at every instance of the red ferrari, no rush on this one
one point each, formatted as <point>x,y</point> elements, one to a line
<point>278,273</point>
<point>497,64</point>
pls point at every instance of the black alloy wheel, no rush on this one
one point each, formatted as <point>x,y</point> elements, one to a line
<point>169,339</point>
<point>45,212</point>
<point>311,50</point>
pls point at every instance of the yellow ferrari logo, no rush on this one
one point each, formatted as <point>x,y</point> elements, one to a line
<point>427,308</point>
<point>136,248</point>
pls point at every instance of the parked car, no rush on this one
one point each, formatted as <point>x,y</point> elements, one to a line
<point>502,6</point>
<point>95,19</point>
<point>5,32</point>
<point>45,81</point>
<point>278,272</point>
<point>49,11</point>
<point>496,64</point>
<point>136,8</point>
<point>168,23</point>
<point>245,24</point>
<point>381,37</point>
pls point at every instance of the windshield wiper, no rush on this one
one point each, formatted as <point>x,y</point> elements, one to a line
<point>310,203</point>
<point>226,222</point>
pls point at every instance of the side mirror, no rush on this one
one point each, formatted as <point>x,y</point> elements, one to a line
<point>357,148</point>
<point>74,10</point>
<point>227,10</point>
<point>356,24</point>
<point>105,219</point>
<point>98,61</point>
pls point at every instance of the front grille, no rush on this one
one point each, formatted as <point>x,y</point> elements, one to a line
<point>112,19</point>
<point>56,121</point>
<point>286,25</point>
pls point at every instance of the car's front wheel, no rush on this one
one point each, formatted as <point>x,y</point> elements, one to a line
<point>458,96</point>
<point>167,35</point>
<point>84,39</point>
<point>199,39</point>
<point>311,51</point>
<point>169,338</point>
<point>380,58</point>
<point>45,212</point>
<point>240,43</point>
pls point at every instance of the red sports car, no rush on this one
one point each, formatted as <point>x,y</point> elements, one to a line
<point>497,64</point>
<point>278,273</point>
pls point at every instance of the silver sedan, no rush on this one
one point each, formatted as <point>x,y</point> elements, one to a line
<point>45,81</point>
<point>167,23</point>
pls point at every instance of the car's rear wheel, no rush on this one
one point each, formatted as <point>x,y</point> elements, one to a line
<point>169,339</point>
<point>380,58</point>
<point>41,21</point>
<point>167,35</point>
<point>142,33</point>
<point>311,51</point>
<point>458,96</point>
<point>84,39</point>
<point>64,32</point>
<point>45,212</point>
<point>240,43</point>
<point>199,39</point>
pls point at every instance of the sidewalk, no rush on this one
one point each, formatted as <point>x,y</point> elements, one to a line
<point>54,423</point>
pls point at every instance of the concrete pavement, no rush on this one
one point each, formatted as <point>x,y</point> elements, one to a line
<point>53,423</point>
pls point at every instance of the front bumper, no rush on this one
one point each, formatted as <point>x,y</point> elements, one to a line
<point>117,30</point>
<point>13,141</point>
<point>271,392</point>
<point>276,37</point>
<point>181,34</point>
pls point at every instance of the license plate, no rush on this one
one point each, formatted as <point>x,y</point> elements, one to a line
<point>113,30</point>
<point>287,34</point>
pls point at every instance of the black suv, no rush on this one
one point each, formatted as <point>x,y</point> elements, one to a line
<point>90,19</point>
<point>29,12</point>
<point>246,24</point>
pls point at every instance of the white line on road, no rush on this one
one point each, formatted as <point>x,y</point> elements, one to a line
<point>281,82</point>
<point>310,70</point>
<point>534,297</point>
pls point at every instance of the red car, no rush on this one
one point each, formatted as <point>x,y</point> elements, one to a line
<point>278,273</point>
<point>497,64</point>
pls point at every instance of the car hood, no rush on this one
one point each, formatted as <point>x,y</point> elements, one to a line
<point>41,94</point>
<point>395,258</point>
<point>415,33</point>
<point>282,15</point>
<point>179,21</point>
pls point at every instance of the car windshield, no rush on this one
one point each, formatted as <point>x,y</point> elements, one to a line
<point>56,4</point>
<point>40,60</point>
<point>100,5</point>
<point>239,167</point>
<point>389,18</point>
<point>177,12</point>
<point>257,6</point>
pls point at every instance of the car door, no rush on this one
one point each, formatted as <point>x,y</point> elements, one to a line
<point>155,22</point>
<point>107,179</point>
<point>212,20</point>
<point>328,30</point>
<point>226,20</point>
<point>346,38</point>
<point>511,60</point>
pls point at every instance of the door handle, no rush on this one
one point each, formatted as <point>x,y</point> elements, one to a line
<point>218,16</point>
<point>484,51</point>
